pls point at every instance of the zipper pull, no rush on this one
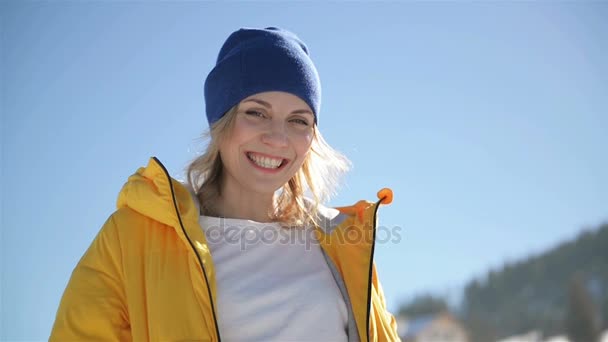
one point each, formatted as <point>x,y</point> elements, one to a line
<point>385,196</point>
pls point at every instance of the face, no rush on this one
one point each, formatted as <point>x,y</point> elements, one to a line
<point>270,139</point>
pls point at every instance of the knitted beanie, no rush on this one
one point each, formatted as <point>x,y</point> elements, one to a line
<point>252,61</point>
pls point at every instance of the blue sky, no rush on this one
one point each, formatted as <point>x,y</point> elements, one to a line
<point>488,120</point>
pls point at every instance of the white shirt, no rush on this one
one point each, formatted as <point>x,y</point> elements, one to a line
<point>273,283</point>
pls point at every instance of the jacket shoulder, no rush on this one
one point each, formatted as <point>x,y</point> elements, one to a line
<point>129,223</point>
<point>127,215</point>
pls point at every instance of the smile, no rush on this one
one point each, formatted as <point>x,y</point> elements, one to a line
<point>266,162</point>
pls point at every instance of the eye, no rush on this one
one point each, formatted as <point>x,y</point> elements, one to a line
<point>299,121</point>
<point>253,112</point>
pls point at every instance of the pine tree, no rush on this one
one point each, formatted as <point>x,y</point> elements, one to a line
<point>581,318</point>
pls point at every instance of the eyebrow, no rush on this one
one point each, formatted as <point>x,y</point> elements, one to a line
<point>268,105</point>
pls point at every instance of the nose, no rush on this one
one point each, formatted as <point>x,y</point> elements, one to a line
<point>276,136</point>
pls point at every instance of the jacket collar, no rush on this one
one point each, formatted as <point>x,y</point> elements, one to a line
<point>150,191</point>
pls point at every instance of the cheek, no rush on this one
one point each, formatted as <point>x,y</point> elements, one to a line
<point>229,152</point>
<point>245,130</point>
<point>302,145</point>
<point>241,134</point>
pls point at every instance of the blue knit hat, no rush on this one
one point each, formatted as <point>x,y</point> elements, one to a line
<point>252,61</point>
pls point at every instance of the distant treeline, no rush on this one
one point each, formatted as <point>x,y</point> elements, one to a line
<point>561,291</point>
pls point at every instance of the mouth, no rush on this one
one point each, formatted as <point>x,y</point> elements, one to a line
<point>266,162</point>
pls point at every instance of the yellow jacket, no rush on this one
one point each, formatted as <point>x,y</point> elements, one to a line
<point>148,275</point>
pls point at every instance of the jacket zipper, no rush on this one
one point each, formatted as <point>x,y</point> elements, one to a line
<point>217,330</point>
<point>371,265</point>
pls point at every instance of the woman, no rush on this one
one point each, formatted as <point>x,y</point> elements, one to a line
<point>194,262</point>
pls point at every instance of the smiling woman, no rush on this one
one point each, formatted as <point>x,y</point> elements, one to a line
<point>267,142</point>
<point>245,250</point>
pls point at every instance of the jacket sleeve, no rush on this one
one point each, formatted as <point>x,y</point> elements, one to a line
<point>93,305</point>
<point>381,319</point>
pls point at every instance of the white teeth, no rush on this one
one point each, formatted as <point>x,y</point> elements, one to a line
<point>269,163</point>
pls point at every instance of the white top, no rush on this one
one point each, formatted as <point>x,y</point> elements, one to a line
<point>273,283</point>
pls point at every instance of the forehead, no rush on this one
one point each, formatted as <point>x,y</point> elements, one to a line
<point>278,100</point>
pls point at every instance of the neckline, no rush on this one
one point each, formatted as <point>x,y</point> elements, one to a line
<point>225,222</point>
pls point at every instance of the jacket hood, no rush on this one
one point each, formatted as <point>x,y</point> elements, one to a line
<point>150,190</point>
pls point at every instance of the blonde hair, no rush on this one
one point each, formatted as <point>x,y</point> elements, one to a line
<point>319,175</point>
